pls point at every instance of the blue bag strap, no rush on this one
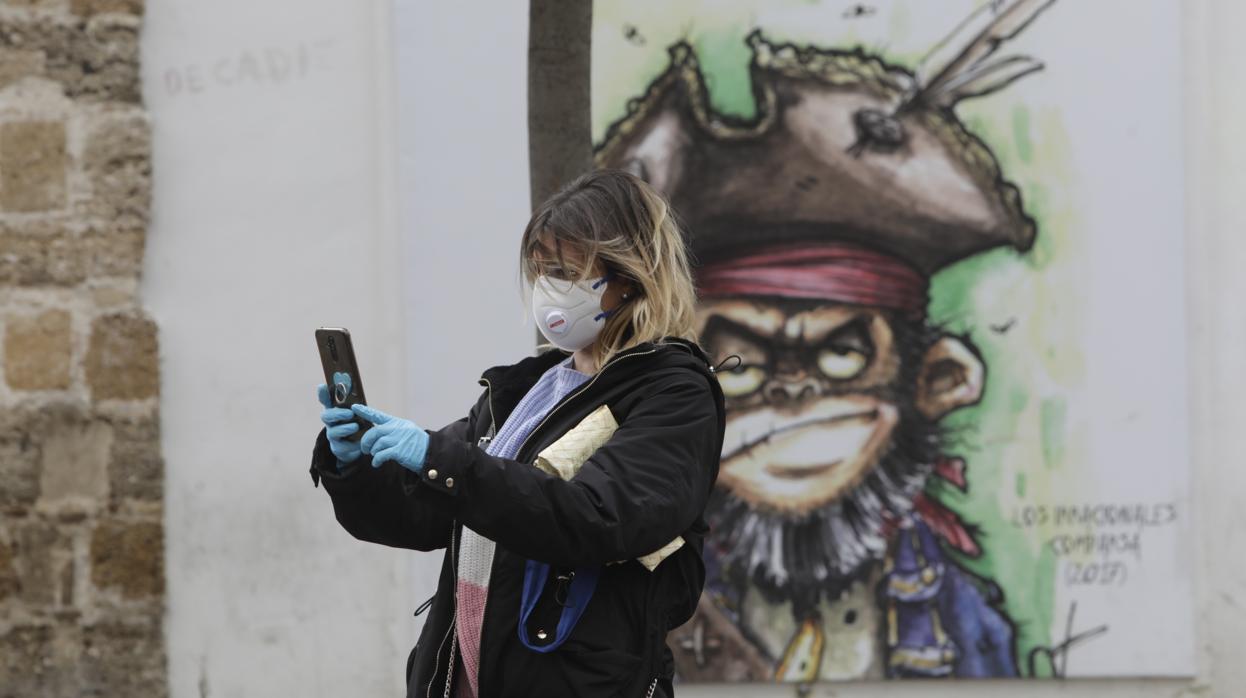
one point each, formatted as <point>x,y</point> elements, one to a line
<point>578,595</point>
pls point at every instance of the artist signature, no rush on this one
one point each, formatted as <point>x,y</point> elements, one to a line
<point>1058,655</point>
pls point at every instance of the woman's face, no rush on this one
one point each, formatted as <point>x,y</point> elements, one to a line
<point>572,261</point>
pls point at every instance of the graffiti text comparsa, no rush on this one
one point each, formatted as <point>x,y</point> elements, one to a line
<point>1095,543</point>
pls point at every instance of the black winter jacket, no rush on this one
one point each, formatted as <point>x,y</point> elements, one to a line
<point>648,484</point>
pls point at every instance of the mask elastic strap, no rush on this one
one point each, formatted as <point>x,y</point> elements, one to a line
<point>596,285</point>
<point>605,279</point>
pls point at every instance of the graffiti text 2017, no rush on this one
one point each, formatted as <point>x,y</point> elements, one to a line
<point>1106,573</point>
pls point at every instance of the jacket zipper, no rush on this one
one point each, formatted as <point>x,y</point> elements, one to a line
<point>449,631</point>
<point>559,406</point>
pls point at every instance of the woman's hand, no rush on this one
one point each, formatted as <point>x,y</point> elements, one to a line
<point>339,423</point>
<point>392,439</point>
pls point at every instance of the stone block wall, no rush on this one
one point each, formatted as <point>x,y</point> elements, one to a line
<point>81,515</point>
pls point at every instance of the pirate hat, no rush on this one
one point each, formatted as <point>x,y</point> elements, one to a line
<point>848,160</point>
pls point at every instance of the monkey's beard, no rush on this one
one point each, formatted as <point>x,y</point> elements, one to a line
<point>803,558</point>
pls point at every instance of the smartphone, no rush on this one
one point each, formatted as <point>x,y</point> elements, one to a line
<point>341,372</point>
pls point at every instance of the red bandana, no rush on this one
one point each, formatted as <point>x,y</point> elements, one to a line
<point>821,271</point>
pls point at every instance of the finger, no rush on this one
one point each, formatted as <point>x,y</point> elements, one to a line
<point>370,414</point>
<point>386,441</point>
<point>389,454</point>
<point>322,394</point>
<point>341,431</point>
<point>347,455</point>
<point>368,442</point>
<point>344,449</point>
<point>336,415</point>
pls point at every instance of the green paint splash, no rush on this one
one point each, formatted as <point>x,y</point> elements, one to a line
<point>724,60</point>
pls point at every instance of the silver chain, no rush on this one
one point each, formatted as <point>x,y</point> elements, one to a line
<point>454,646</point>
<point>652,687</point>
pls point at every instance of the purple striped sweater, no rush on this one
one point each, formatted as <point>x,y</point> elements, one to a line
<point>476,551</point>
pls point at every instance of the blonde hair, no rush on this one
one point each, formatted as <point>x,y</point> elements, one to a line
<point>615,217</point>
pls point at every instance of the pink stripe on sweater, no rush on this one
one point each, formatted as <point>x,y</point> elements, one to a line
<point>469,616</point>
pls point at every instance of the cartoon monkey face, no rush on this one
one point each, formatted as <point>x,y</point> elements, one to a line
<point>815,401</point>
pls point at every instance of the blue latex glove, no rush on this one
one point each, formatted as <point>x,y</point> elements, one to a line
<point>392,439</point>
<point>339,423</point>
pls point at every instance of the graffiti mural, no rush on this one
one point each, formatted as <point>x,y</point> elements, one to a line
<point>879,511</point>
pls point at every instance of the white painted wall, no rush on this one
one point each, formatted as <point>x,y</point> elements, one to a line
<point>270,219</point>
<point>462,168</point>
<point>276,165</point>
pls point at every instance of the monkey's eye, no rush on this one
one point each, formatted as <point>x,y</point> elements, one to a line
<point>842,363</point>
<point>741,380</point>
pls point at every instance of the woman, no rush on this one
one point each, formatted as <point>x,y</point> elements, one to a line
<point>569,500</point>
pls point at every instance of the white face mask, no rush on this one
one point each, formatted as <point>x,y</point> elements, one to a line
<point>569,314</point>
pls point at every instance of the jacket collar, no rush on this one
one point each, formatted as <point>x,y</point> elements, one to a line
<point>507,385</point>
<point>519,378</point>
